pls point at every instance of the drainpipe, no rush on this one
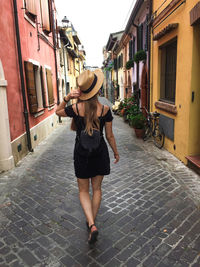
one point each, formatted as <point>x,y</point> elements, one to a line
<point>55,54</point>
<point>22,77</point>
<point>149,54</point>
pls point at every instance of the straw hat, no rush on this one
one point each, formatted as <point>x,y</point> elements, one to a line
<point>89,83</point>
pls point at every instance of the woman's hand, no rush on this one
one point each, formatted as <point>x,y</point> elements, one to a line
<point>74,94</point>
<point>116,156</point>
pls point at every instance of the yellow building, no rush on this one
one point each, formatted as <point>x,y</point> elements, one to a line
<point>72,58</point>
<point>175,79</point>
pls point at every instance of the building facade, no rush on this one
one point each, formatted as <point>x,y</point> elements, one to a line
<point>28,55</point>
<point>71,58</point>
<point>174,75</point>
<point>132,77</point>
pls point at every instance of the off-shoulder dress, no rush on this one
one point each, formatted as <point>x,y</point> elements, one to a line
<point>98,164</point>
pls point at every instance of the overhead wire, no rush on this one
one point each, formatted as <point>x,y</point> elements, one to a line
<point>128,14</point>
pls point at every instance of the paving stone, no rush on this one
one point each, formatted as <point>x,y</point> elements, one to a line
<point>10,257</point>
<point>28,257</point>
<point>4,250</point>
<point>69,261</point>
<point>127,252</point>
<point>41,253</point>
<point>107,255</point>
<point>132,262</point>
<point>44,229</point>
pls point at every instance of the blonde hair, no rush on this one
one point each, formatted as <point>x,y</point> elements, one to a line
<point>91,119</point>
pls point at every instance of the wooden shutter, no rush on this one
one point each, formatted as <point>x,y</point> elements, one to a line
<point>118,62</point>
<point>45,11</point>
<point>170,71</point>
<point>130,50</point>
<point>140,37</point>
<point>50,87</point>
<point>31,6</point>
<point>133,47</point>
<point>115,64</point>
<point>42,86</point>
<point>31,88</point>
<point>146,33</point>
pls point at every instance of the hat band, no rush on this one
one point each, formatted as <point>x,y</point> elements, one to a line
<point>92,86</point>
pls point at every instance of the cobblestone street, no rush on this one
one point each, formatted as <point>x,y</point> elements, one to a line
<point>149,214</point>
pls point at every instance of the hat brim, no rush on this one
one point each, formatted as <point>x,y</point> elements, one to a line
<point>100,78</point>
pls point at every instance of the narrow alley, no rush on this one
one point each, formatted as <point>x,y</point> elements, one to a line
<point>149,215</point>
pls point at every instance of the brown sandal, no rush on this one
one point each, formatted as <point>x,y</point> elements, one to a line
<point>93,235</point>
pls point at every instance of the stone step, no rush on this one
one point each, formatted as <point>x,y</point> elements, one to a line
<point>194,163</point>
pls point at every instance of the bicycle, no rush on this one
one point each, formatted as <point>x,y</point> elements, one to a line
<point>154,129</point>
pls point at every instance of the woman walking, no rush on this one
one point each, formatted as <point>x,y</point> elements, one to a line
<point>89,119</point>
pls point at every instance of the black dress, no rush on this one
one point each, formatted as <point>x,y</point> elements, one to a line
<point>98,164</point>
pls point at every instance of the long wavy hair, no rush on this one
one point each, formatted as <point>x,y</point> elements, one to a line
<point>90,117</point>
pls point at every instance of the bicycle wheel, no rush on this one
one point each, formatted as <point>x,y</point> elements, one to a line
<point>159,137</point>
<point>148,130</point>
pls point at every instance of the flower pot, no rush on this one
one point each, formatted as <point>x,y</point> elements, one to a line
<point>139,133</point>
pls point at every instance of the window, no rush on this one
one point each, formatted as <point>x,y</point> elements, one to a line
<point>120,61</point>
<point>168,71</point>
<point>49,87</point>
<point>130,49</point>
<point>146,33</point>
<point>45,15</point>
<point>31,9</point>
<point>133,47</point>
<point>140,37</point>
<point>35,87</point>
<point>115,63</point>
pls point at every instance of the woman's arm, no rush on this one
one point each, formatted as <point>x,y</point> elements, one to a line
<point>111,140</point>
<point>60,111</point>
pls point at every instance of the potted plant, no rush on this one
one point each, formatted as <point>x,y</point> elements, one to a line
<point>140,56</point>
<point>129,64</point>
<point>138,123</point>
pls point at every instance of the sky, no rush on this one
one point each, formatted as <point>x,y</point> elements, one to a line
<point>94,21</point>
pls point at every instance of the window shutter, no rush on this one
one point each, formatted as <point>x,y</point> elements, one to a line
<point>118,62</point>
<point>115,64</point>
<point>146,33</point>
<point>42,86</point>
<point>31,88</point>
<point>31,6</point>
<point>140,37</point>
<point>45,11</point>
<point>133,47</point>
<point>130,50</point>
<point>121,60</point>
<point>50,87</point>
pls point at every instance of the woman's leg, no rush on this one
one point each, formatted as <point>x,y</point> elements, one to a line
<point>96,199</point>
<point>85,200</point>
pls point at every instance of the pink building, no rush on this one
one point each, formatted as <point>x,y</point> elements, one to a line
<point>29,71</point>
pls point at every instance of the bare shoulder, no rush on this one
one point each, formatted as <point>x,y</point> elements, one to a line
<point>106,108</point>
<point>78,106</point>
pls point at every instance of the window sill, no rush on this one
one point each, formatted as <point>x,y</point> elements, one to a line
<point>39,113</point>
<point>29,20</point>
<point>166,107</point>
<point>51,107</point>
